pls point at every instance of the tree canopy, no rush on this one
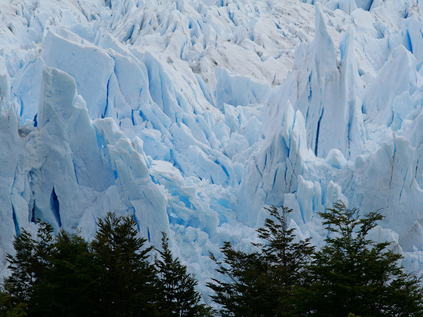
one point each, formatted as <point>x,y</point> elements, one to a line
<point>113,275</point>
<point>176,294</point>
<point>265,282</point>
<point>350,276</point>
<point>353,274</point>
<point>127,280</point>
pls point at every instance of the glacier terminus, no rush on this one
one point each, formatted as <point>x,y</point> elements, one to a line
<point>194,115</point>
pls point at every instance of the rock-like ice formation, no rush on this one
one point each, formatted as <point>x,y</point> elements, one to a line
<point>194,115</point>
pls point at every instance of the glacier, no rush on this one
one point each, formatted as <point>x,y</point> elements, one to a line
<point>194,115</point>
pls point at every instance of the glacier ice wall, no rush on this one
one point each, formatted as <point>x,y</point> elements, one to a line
<point>193,115</point>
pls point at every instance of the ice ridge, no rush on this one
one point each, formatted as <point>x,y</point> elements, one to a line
<point>194,115</point>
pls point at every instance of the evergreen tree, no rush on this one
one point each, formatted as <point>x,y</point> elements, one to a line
<point>352,274</point>
<point>51,276</point>
<point>127,282</point>
<point>7,308</point>
<point>288,260</point>
<point>176,296</point>
<point>28,265</point>
<point>263,283</point>
<point>68,286</point>
<point>246,291</point>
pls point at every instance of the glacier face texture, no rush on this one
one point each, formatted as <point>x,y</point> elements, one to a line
<point>194,115</point>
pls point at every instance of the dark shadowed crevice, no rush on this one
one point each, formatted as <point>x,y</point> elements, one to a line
<point>317,132</point>
<point>55,207</point>
<point>15,222</point>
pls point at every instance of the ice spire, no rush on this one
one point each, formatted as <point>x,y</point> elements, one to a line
<point>4,85</point>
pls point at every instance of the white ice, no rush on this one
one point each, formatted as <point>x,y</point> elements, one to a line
<point>195,115</point>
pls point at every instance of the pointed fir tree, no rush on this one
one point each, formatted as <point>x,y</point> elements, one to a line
<point>263,283</point>
<point>28,265</point>
<point>51,276</point>
<point>243,289</point>
<point>354,275</point>
<point>69,285</point>
<point>288,260</point>
<point>176,295</point>
<point>127,282</point>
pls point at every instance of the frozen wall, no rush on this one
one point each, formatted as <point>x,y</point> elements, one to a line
<point>194,115</point>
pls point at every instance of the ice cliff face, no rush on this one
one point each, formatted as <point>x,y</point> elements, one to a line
<point>193,115</point>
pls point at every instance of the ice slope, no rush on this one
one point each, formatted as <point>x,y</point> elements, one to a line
<point>193,115</point>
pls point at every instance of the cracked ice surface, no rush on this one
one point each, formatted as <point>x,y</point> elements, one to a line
<point>193,115</point>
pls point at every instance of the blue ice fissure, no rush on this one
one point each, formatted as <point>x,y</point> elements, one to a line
<point>15,222</point>
<point>275,176</point>
<point>107,98</point>
<point>132,117</point>
<point>55,207</point>
<point>310,93</point>
<point>76,174</point>
<point>32,213</point>
<point>132,211</point>
<point>410,45</point>
<point>369,6</point>
<point>258,170</point>
<point>223,168</point>
<point>153,179</point>
<point>317,132</point>
<point>129,34</point>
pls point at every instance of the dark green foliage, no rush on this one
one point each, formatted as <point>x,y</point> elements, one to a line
<point>176,296</point>
<point>352,274</point>
<point>127,280</point>
<point>245,293</point>
<point>263,283</point>
<point>28,265</point>
<point>51,276</point>
<point>7,308</point>
<point>288,260</point>
<point>69,285</point>
<point>64,275</point>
